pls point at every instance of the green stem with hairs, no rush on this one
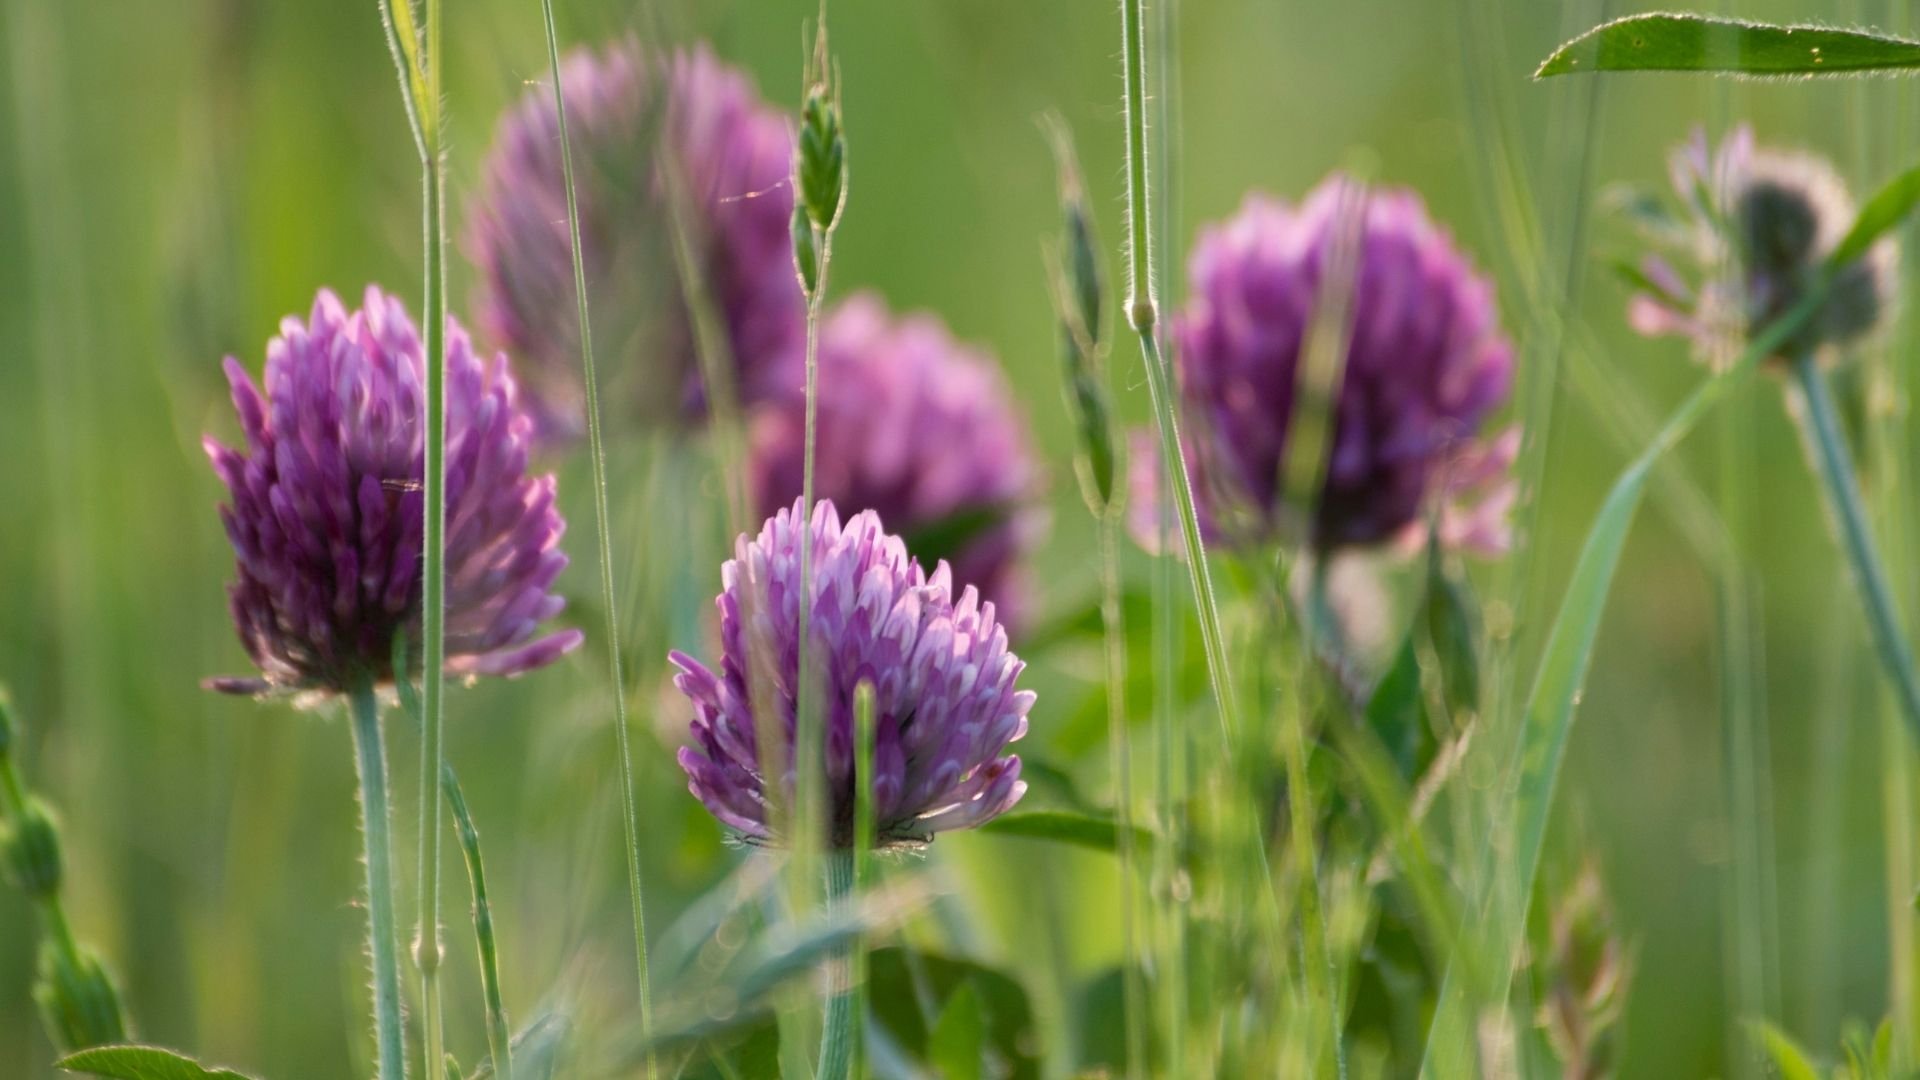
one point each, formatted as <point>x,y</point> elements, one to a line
<point>1832,462</point>
<point>1143,316</point>
<point>417,59</point>
<point>840,1027</point>
<point>596,450</point>
<point>375,830</point>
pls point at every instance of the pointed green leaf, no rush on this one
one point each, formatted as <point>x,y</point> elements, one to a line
<point>1451,627</point>
<point>1397,713</point>
<point>955,1045</point>
<point>142,1063</point>
<point>1888,207</point>
<point>1789,1060</point>
<point>1682,42</point>
<point>1535,770</point>
<point>1096,831</point>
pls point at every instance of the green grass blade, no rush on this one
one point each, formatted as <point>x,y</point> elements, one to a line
<point>1548,717</point>
<point>1683,42</point>
<point>597,452</point>
<point>1098,832</point>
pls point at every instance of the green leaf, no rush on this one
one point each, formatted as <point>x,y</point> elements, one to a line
<point>955,1046</point>
<point>142,1063</point>
<point>1637,280</point>
<point>1535,770</point>
<point>1791,1061</point>
<point>909,992</point>
<point>1683,42</point>
<point>1096,831</point>
<point>1888,207</point>
<point>1397,713</point>
<point>1451,629</point>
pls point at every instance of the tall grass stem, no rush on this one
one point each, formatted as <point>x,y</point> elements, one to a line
<point>1142,316</point>
<point>597,454</point>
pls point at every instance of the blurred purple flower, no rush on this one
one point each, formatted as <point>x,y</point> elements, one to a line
<point>923,431</point>
<point>1426,366</point>
<point>945,703</point>
<point>1757,224</point>
<point>637,124</point>
<point>327,510</point>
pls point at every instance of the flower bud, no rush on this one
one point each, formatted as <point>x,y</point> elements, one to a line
<point>78,1000</point>
<point>31,849</point>
<point>821,158</point>
<point>806,256</point>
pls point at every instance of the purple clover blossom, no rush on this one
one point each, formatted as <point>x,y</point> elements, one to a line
<point>1757,223</point>
<point>1427,365</point>
<point>327,508</point>
<point>646,131</point>
<point>920,429</point>
<point>945,703</point>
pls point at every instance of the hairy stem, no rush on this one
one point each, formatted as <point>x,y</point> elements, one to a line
<point>375,829</point>
<point>596,450</point>
<point>1142,316</point>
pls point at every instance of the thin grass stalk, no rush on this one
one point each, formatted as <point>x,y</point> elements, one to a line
<point>1143,316</point>
<point>417,60</point>
<point>376,833</point>
<point>1826,445</point>
<point>499,1033</point>
<point>1132,993</point>
<point>837,1035</point>
<point>597,455</point>
<point>865,838</point>
<point>1503,899</point>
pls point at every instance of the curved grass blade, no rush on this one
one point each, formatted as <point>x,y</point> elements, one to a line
<point>1096,831</point>
<point>1660,41</point>
<point>1548,718</point>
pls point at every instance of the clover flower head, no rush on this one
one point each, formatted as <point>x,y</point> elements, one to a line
<point>1426,366</point>
<point>1756,224</point>
<point>660,143</point>
<point>920,429</point>
<point>945,702</point>
<point>326,511</point>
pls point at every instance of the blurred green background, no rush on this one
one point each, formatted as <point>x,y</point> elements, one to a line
<point>177,175</point>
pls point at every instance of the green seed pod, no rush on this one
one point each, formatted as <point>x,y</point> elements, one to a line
<point>806,256</point>
<point>1080,296</point>
<point>1093,422</point>
<point>1084,280</point>
<point>820,160</point>
<point>31,847</point>
<point>78,1000</point>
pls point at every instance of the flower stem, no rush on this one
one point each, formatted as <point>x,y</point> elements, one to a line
<point>596,449</point>
<point>1827,448</point>
<point>837,1039</point>
<point>375,829</point>
<point>1142,316</point>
